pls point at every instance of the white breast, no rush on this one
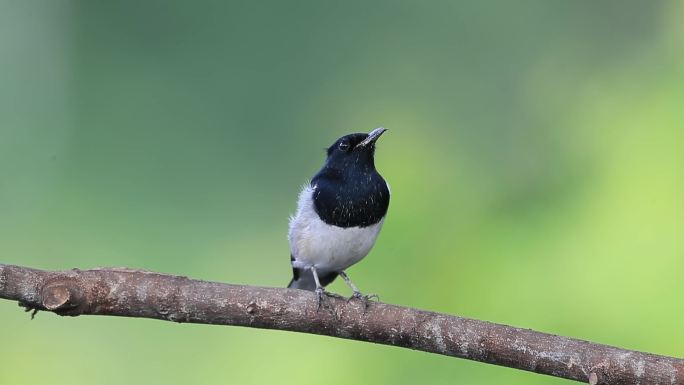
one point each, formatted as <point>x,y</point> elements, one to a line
<point>326,247</point>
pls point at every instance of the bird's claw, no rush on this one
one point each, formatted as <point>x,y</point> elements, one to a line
<point>365,298</point>
<point>323,301</point>
<point>320,294</point>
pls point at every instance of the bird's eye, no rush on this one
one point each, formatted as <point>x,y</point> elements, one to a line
<point>344,146</point>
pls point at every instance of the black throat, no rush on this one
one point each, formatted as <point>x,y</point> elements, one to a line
<point>352,194</point>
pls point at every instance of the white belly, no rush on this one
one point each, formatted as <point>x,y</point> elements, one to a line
<point>326,247</point>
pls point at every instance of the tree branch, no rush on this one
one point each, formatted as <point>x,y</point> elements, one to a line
<point>134,293</point>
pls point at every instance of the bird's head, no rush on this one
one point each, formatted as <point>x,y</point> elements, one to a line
<point>354,149</point>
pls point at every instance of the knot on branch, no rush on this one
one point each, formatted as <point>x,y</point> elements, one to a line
<point>61,297</point>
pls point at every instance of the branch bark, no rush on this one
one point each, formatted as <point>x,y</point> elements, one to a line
<point>135,293</point>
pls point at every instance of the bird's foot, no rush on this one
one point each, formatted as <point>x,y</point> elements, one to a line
<point>320,294</point>
<point>365,298</point>
<point>323,300</point>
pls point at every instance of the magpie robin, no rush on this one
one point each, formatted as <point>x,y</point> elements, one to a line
<point>339,214</point>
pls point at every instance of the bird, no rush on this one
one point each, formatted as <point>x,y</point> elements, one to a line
<point>339,215</point>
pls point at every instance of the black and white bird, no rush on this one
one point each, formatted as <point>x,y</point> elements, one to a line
<point>339,214</point>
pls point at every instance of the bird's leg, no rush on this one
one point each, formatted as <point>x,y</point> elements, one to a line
<point>351,285</point>
<point>319,288</point>
<point>321,293</point>
<point>357,293</point>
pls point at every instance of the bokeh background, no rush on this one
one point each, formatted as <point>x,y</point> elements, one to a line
<point>535,157</point>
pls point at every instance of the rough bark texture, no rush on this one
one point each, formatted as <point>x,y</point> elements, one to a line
<point>134,293</point>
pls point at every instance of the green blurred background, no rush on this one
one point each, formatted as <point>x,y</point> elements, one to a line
<point>535,157</point>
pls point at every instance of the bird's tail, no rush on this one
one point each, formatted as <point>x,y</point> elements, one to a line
<point>304,279</point>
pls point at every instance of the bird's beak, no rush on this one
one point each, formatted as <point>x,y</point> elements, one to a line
<point>372,137</point>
